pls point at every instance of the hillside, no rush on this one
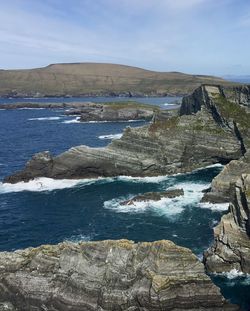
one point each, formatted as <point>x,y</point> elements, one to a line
<point>81,79</point>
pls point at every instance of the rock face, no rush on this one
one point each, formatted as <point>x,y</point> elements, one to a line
<point>154,196</point>
<point>115,112</point>
<point>88,111</point>
<point>107,275</point>
<point>209,132</point>
<point>231,247</point>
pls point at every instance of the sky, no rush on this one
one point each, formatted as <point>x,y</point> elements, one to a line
<point>192,36</point>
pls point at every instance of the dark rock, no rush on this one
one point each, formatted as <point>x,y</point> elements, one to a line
<point>231,247</point>
<point>107,275</point>
<point>154,196</point>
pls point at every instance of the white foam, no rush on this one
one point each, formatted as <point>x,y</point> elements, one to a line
<point>110,136</point>
<point>49,184</point>
<point>171,104</point>
<point>2,109</point>
<point>44,119</point>
<point>39,185</point>
<point>154,179</point>
<point>214,206</point>
<point>78,238</point>
<point>115,121</point>
<point>76,120</point>
<point>165,207</point>
<point>234,273</point>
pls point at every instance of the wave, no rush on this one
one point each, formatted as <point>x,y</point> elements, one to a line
<point>45,119</point>
<point>78,238</point>
<point>192,191</point>
<point>110,136</point>
<point>164,207</point>
<point>171,104</point>
<point>39,185</point>
<point>76,120</point>
<point>2,109</point>
<point>234,277</point>
<point>215,206</point>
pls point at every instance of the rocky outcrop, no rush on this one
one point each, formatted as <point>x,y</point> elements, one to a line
<point>120,111</point>
<point>231,247</point>
<point>107,275</point>
<point>169,145</point>
<point>222,186</point>
<point>73,105</point>
<point>154,196</point>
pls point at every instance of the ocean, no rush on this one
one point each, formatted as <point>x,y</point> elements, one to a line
<point>51,211</point>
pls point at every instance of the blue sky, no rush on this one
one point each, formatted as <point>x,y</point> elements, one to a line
<point>193,36</point>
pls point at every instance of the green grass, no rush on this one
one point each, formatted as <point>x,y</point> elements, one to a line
<point>130,104</point>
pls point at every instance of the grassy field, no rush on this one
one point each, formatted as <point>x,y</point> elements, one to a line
<point>98,79</point>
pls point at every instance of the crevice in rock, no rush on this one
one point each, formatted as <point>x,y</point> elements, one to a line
<point>239,137</point>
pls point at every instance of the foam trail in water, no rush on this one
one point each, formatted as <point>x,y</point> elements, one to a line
<point>214,206</point>
<point>40,184</point>
<point>76,120</point>
<point>166,207</point>
<point>44,119</point>
<point>110,136</point>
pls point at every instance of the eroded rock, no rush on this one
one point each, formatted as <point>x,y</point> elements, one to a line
<point>231,247</point>
<point>107,275</point>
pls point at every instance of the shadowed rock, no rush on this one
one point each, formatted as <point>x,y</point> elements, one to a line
<point>108,276</point>
<point>231,247</point>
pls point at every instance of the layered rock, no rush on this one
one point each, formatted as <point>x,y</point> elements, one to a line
<point>107,275</point>
<point>154,196</point>
<point>197,137</point>
<point>231,247</point>
<point>115,112</point>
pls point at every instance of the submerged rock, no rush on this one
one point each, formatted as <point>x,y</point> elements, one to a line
<point>154,196</point>
<point>231,247</point>
<point>107,275</point>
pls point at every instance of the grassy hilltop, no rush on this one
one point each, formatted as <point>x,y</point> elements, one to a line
<point>81,79</point>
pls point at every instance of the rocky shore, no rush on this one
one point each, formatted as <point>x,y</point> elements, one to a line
<point>107,275</point>
<point>212,126</point>
<point>231,247</point>
<point>202,134</point>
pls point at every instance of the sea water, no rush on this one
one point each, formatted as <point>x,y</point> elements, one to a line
<point>51,211</point>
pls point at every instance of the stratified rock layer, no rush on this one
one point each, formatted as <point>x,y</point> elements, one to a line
<point>107,275</point>
<point>231,247</point>
<point>201,135</point>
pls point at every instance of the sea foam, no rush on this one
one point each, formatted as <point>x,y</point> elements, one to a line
<point>110,136</point>
<point>45,119</point>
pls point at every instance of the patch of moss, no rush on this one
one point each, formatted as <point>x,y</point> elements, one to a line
<point>130,104</point>
<point>164,125</point>
<point>230,110</point>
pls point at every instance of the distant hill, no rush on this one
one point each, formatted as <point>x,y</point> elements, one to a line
<point>82,79</point>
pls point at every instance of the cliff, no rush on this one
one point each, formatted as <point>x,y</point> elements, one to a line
<point>107,275</point>
<point>85,79</point>
<point>203,133</point>
<point>231,247</point>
